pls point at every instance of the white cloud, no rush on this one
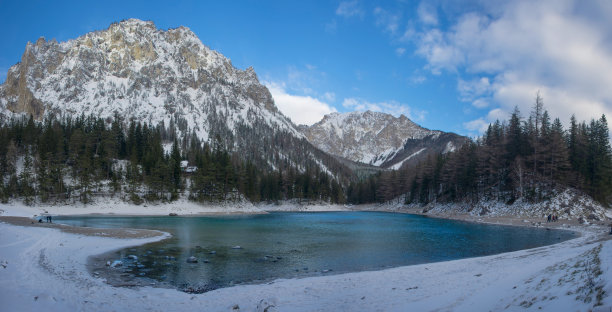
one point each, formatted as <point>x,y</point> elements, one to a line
<point>300,109</point>
<point>388,21</point>
<point>329,96</point>
<point>350,9</point>
<point>480,103</point>
<point>392,107</point>
<point>469,90</point>
<point>498,114</point>
<point>427,14</point>
<point>561,48</point>
<point>478,125</point>
<point>400,51</point>
<point>303,80</point>
<point>408,34</point>
<point>418,79</point>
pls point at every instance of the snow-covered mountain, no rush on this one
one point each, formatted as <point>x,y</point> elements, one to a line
<point>141,72</point>
<point>136,71</point>
<point>378,139</point>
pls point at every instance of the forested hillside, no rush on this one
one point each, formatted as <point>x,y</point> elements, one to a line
<point>522,158</point>
<point>65,160</point>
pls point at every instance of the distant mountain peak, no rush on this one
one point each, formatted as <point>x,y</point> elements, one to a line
<point>376,138</point>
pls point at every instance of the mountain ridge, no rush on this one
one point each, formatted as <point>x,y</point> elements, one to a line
<point>134,71</point>
<point>170,78</point>
<point>112,71</point>
<point>378,139</point>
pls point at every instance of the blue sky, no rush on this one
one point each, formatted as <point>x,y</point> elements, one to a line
<point>448,65</point>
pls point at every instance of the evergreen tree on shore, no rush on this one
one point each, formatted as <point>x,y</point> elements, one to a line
<point>65,159</point>
<point>514,160</point>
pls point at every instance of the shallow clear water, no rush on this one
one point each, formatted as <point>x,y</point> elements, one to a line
<point>285,245</point>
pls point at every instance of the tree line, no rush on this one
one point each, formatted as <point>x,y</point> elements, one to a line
<point>64,159</point>
<point>522,158</point>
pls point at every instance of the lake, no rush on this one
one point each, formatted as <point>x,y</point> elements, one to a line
<point>249,249</point>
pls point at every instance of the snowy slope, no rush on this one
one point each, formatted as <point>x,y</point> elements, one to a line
<point>163,77</point>
<point>376,138</point>
<point>138,71</point>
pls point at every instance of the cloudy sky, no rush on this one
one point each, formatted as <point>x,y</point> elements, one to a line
<point>448,65</point>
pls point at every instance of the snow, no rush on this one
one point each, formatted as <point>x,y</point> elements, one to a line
<point>43,269</point>
<point>399,164</point>
<point>450,147</point>
<point>167,147</point>
<point>295,206</point>
<point>366,137</point>
<point>568,204</point>
<point>109,78</point>
<point>116,206</point>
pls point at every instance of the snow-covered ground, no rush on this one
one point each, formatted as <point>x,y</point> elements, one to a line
<point>115,206</point>
<point>44,269</point>
<point>182,207</point>
<point>568,205</point>
<point>295,206</point>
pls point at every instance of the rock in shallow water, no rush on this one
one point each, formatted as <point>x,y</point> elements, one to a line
<point>192,259</point>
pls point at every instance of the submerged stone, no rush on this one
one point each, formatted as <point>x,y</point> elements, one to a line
<point>192,259</point>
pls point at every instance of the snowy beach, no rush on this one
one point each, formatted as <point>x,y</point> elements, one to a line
<point>45,269</point>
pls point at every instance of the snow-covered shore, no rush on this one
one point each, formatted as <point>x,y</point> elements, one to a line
<point>182,207</point>
<point>45,269</point>
<point>115,206</point>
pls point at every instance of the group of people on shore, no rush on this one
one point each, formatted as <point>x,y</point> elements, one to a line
<point>49,220</point>
<point>552,218</point>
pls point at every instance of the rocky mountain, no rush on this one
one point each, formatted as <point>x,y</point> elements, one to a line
<point>138,72</point>
<point>378,139</point>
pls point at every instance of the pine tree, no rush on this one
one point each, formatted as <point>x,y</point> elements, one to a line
<point>557,163</point>
<point>26,186</point>
<point>534,137</point>
<point>514,144</point>
<point>175,159</point>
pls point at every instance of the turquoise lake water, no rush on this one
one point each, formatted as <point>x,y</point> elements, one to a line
<point>288,245</point>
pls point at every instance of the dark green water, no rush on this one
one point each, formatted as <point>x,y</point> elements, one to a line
<point>286,245</point>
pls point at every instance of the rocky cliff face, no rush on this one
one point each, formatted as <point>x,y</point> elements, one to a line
<point>136,71</point>
<point>378,139</point>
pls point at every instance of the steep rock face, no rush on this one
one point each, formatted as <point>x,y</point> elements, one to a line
<point>137,71</point>
<point>163,77</point>
<point>378,139</point>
